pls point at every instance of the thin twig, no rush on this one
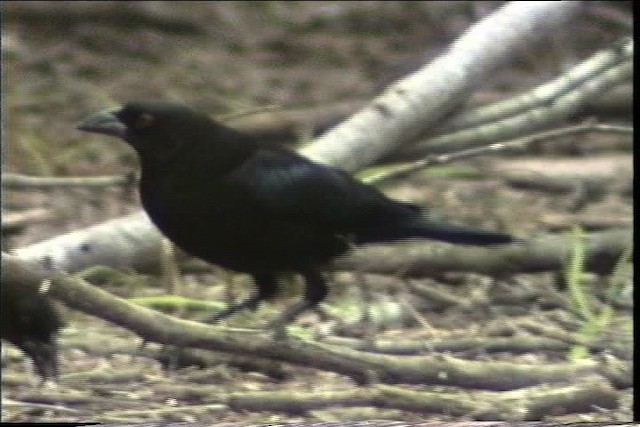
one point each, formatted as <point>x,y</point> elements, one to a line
<point>516,144</point>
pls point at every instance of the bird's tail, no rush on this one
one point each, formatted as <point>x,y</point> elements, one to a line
<point>422,229</point>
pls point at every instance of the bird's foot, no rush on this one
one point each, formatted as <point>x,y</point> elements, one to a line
<point>280,333</point>
<point>250,303</point>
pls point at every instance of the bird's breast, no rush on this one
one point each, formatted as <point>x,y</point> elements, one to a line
<point>239,236</point>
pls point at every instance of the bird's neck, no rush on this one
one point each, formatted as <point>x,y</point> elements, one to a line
<point>222,150</point>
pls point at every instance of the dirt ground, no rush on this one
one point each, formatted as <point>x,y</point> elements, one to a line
<point>63,60</point>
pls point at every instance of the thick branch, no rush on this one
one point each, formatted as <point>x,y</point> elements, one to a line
<point>157,327</point>
<point>548,253</point>
<point>412,105</point>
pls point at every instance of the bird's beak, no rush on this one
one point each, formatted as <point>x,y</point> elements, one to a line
<point>105,122</point>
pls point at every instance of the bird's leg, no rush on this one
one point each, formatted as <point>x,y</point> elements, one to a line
<point>267,287</point>
<point>229,282</point>
<point>315,291</point>
<point>44,357</point>
<point>367,301</point>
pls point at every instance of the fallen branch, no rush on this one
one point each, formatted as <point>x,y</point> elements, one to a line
<point>520,405</point>
<point>133,242</point>
<point>157,327</point>
<point>547,253</point>
<point>19,181</point>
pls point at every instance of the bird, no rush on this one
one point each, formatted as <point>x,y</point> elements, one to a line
<point>222,196</point>
<point>30,321</point>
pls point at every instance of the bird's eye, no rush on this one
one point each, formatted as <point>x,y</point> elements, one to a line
<point>144,121</point>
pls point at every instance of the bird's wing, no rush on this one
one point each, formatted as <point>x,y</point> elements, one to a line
<point>285,184</point>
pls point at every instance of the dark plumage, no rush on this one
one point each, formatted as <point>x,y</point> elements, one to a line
<point>222,196</point>
<point>30,321</point>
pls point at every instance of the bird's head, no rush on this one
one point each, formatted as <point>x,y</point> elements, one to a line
<point>163,132</point>
<point>151,126</point>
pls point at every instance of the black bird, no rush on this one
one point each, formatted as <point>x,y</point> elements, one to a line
<point>223,196</point>
<point>30,321</point>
